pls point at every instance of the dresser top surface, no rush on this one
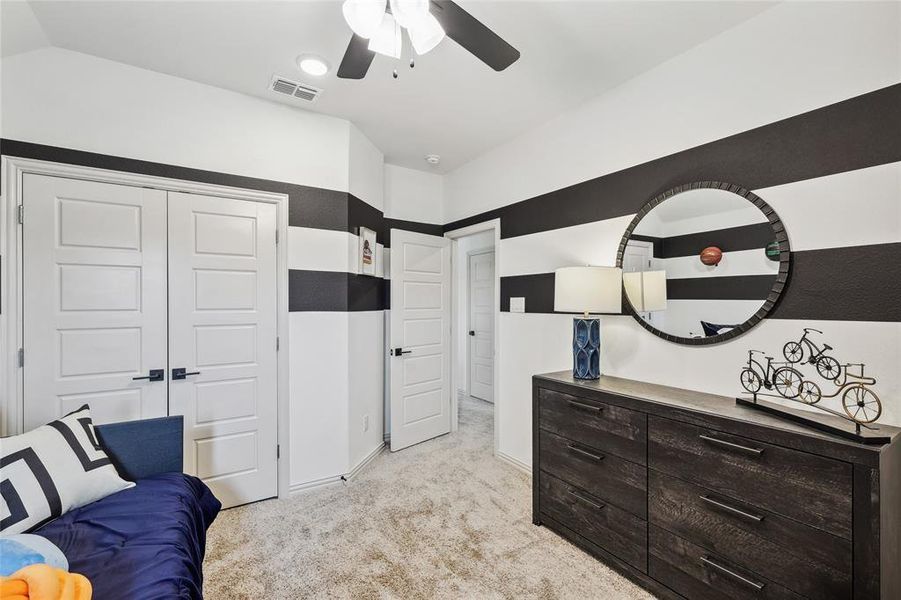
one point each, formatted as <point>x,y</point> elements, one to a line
<point>714,405</point>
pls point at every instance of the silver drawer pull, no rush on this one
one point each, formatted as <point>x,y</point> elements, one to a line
<point>707,561</point>
<point>731,446</point>
<point>585,453</point>
<point>585,406</point>
<point>732,509</point>
<point>587,501</point>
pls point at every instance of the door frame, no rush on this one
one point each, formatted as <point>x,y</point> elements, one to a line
<point>455,235</point>
<point>469,255</point>
<point>13,170</point>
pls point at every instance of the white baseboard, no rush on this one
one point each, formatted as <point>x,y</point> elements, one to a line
<point>306,486</point>
<point>366,460</point>
<point>514,462</point>
<point>297,488</point>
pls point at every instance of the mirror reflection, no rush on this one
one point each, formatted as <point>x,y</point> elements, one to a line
<point>700,263</point>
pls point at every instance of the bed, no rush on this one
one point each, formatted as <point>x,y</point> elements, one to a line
<point>147,541</point>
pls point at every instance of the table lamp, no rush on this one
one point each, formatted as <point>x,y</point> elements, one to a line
<point>586,290</point>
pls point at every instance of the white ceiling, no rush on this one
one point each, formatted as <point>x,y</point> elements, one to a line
<point>451,104</point>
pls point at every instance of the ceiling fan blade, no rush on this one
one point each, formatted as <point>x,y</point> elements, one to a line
<point>473,35</point>
<point>357,59</point>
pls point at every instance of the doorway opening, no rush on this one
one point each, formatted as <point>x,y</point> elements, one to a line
<point>474,324</point>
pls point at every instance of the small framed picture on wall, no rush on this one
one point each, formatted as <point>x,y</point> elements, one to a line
<point>367,252</point>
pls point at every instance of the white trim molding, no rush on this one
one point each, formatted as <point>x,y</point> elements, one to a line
<point>365,462</point>
<point>514,462</point>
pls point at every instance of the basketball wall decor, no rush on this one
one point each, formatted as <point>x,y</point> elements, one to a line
<point>711,256</point>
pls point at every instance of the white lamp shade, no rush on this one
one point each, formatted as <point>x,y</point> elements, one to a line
<point>364,16</point>
<point>646,290</point>
<point>425,34</point>
<point>588,289</point>
<point>409,12</point>
<point>387,40</point>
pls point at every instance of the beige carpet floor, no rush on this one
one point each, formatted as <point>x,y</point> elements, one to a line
<point>443,519</point>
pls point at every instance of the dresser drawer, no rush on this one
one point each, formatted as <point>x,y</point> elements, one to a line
<point>698,574</point>
<point>615,530</point>
<point>805,487</point>
<point>605,476</point>
<point>804,559</point>
<point>607,427</point>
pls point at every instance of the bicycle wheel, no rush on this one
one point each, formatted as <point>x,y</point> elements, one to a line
<point>793,352</point>
<point>861,404</point>
<point>787,382</point>
<point>809,392</point>
<point>750,380</point>
<point>828,368</point>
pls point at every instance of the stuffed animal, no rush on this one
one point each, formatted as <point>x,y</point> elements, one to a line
<point>23,549</point>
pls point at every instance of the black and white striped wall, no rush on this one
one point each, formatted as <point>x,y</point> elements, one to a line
<point>834,177</point>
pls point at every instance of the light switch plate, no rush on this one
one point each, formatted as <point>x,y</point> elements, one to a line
<point>517,305</point>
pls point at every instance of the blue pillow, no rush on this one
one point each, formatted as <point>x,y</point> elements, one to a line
<point>23,549</point>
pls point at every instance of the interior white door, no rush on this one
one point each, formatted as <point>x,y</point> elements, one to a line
<point>420,337</point>
<point>223,327</point>
<point>94,273</point>
<point>637,257</point>
<point>481,326</point>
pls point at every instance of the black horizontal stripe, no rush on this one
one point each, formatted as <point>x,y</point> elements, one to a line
<point>854,134</point>
<point>333,291</point>
<point>415,226</point>
<point>732,239</point>
<point>856,283</point>
<point>733,287</point>
<point>307,206</point>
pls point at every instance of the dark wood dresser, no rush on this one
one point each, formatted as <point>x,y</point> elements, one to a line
<point>693,496</point>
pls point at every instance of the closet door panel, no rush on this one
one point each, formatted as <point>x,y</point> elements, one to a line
<point>94,299</point>
<point>222,298</point>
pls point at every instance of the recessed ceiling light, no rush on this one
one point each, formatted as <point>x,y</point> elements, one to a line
<point>432,159</point>
<point>312,65</point>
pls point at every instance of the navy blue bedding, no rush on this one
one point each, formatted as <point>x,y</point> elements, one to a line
<point>140,543</point>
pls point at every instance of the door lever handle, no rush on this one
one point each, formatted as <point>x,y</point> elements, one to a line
<point>178,374</point>
<point>154,375</point>
<point>399,351</point>
<point>472,333</point>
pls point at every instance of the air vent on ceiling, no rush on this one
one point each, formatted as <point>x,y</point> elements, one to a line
<point>294,89</point>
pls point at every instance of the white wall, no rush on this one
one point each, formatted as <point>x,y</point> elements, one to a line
<point>473,243</point>
<point>789,59</point>
<point>413,195</point>
<point>62,98</point>
<point>794,57</point>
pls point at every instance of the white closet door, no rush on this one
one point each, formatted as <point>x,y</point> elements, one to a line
<point>94,299</point>
<point>222,333</point>
<point>481,326</point>
<point>420,337</point>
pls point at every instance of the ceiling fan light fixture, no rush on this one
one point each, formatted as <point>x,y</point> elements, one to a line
<point>387,39</point>
<point>364,16</point>
<point>409,12</point>
<point>426,34</point>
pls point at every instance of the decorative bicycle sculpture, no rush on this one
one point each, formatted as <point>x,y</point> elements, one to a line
<point>785,379</point>
<point>860,403</point>
<point>795,352</point>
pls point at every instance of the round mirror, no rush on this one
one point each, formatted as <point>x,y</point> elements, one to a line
<point>703,262</point>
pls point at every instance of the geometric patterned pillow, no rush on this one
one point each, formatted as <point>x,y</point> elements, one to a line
<point>52,469</point>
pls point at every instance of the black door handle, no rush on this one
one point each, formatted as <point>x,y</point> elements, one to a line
<point>154,375</point>
<point>178,374</point>
<point>472,333</point>
<point>399,351</point>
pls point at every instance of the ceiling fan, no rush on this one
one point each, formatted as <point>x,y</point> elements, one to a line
<point>378,27</point>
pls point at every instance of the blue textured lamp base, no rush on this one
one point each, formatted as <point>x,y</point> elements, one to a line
<point>586,348</point>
